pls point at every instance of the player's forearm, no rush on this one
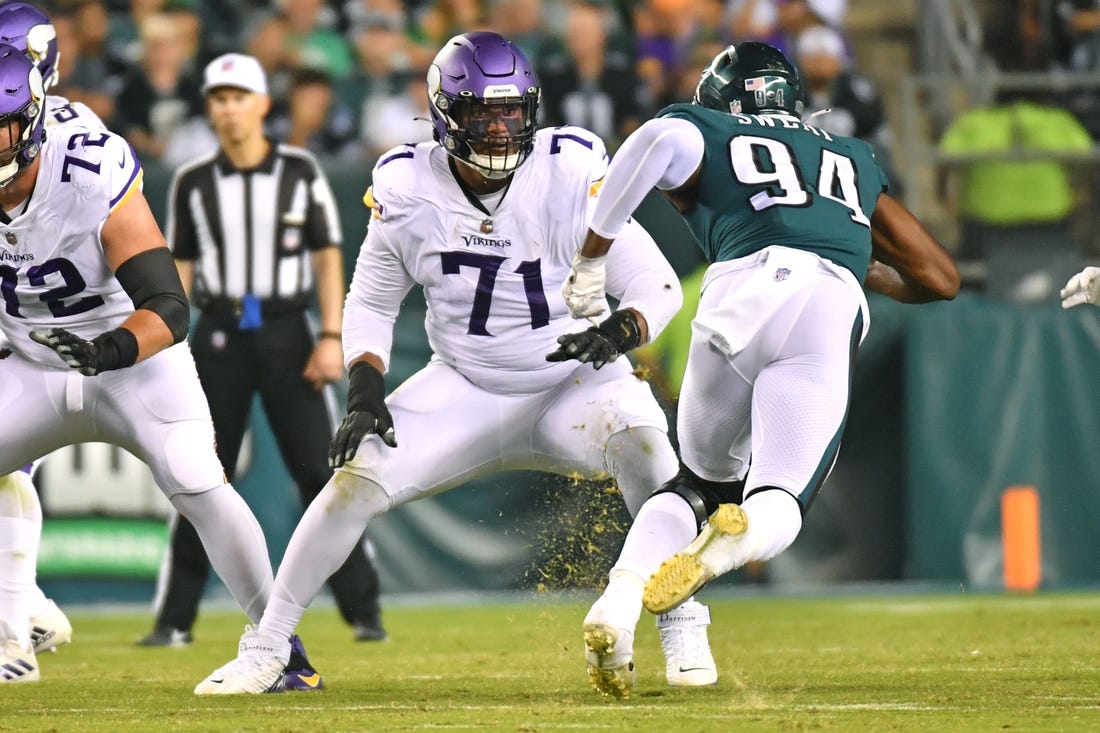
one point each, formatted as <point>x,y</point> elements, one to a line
<point>150,331</point>
<point>328,273</point>
<point>925,271</point>
<point>641,279</point>
<point>373,360</point>
<point>378,287</point>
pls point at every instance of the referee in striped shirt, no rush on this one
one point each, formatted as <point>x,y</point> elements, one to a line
<point>254,231</point>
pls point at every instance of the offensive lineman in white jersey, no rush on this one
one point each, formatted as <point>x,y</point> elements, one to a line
<point>484,219</point>
<point>26,28</point>
<point>96,320</point>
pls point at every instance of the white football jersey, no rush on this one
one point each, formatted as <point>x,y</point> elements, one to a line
<point>60,111</point>
<point>493,291</point>
<point>53,272</point>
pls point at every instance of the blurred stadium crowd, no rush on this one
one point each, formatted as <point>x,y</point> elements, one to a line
<point>347,80</point>
<point>347,77</point>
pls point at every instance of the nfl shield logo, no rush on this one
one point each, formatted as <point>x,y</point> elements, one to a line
<point>10,238</point>
<point>781,274</point>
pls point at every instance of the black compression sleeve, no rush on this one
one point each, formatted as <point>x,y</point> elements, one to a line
<point>151,280</point>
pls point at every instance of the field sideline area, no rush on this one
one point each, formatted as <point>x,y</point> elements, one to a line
<point>874,662</point>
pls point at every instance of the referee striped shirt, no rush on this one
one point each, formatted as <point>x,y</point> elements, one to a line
<point>252,231</point>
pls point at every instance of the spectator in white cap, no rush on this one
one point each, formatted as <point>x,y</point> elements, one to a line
<point>839,100</point>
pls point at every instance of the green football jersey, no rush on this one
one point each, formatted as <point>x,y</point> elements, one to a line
<point>769,180</point>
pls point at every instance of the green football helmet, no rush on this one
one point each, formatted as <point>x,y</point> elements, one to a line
<point>750,78</point>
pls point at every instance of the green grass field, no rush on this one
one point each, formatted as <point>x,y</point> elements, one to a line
<point>848,663</point>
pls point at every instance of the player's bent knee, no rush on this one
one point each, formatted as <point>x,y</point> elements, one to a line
<point>702,495</point>
<point>348,492</point>
<point>188,463</point>
<point>639,459</point>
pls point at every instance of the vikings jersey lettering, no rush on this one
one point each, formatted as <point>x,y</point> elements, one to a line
<point>60,111</point>
<point>53,272</point>
<point>491,282</point>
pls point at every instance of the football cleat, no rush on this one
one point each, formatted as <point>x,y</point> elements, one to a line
<point>17,662</point>
<point>608,652</point>
<point>167,636</point>
<point>683,631</point>
<point>50,629</point>
<point>258,667</point>
<point>299,674</point>
<point>369,631</point>
<point>708,556</point>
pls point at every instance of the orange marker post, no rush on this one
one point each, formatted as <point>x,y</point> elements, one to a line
<point>1023,565</point>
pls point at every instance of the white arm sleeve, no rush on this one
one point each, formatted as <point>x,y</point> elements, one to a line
<point>663,152</point>
<point>378,286</point>
<point>641,278</point>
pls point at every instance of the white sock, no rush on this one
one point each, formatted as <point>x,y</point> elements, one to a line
<point>331,526</point>
<point>234,543</point>
<point>664,526</point>
<point>20,534</point>
<point>37,603</point>
<point>17,572</point>
<point>624,595</point>
<point>775,519</point>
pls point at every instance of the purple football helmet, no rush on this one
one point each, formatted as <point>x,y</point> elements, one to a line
<point>27,28</point>
<point>484,96</point>
<point>22,112</point>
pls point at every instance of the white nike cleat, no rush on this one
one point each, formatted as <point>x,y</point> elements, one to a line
<point>688,661</point>
<point>711,554</point>
<point>609,652</point>
<point>50,629</point>
<point>17,663</point>
<point>258,667</point>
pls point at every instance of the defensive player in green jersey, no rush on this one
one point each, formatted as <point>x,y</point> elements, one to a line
<point>796,222</point>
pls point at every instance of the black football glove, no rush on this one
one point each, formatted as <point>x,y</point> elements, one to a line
<point>111,350</point>
<point>367,414</point>
<point>600,344</point>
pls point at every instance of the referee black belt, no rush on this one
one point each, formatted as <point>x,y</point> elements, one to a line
<point>233,307</point>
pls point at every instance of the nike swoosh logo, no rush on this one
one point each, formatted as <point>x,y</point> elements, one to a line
<point>312,680</point>
<point>690,669</point>
<point>221,681</point>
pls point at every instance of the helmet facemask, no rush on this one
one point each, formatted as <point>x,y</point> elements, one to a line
<point>484,97</point>
<point>494,136</point>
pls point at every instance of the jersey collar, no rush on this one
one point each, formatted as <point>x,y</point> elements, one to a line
<point>267,165</point>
